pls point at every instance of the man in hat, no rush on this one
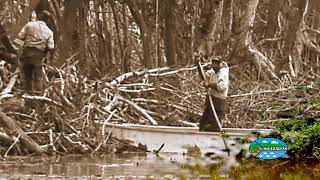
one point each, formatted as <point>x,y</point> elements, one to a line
<point>217,81</point>
<point>38,40</point>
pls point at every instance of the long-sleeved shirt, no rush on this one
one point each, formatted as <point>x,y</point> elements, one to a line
<point>38,35</point>
<point>221,78</point>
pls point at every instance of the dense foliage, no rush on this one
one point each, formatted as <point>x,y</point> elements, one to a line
<point>301,136</point>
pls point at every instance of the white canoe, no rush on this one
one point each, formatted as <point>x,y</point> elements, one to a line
<point>179,139</point>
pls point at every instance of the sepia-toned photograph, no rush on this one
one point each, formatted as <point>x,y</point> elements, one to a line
<point>160,89</point>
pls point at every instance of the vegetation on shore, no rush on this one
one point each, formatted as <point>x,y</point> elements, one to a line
<point>301,136</point>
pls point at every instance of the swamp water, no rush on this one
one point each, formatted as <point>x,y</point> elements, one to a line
<point>150,166</point>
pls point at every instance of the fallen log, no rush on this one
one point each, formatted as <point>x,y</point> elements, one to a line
<point>13,129</point>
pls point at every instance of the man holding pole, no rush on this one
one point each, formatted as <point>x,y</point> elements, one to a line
<point>216,80</point>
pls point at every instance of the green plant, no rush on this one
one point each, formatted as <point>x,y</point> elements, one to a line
<point>301,136</point>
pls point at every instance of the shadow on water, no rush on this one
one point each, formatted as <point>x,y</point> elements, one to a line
<point>151,166</point>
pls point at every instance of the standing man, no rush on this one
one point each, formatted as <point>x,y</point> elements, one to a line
<point>38,40</point>
<point>217,81</point>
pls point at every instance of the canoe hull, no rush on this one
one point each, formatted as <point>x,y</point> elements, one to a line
<point>178,139</point>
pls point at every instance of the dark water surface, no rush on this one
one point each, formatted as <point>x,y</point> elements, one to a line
<point>149,166</point>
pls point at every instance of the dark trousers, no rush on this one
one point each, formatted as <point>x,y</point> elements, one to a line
<point>32,69</point>
<point>208,121</point>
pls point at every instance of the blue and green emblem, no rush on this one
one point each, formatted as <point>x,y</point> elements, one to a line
<point>268,148</point>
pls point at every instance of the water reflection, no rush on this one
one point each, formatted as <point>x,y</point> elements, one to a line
<point>136,166</point>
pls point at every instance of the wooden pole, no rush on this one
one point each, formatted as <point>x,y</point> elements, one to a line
<point>210,98</point>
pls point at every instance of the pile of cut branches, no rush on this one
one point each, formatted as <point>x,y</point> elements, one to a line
<point>71,113</point>
<point>157,97</point>
<point>258,104</point>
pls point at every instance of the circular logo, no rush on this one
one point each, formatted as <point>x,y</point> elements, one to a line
<point>268,148</point>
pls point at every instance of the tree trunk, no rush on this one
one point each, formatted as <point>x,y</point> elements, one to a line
<point>117,26</point>
<point>294,18</point>
<point>227,19</point>
<point>70,35</point>
<point>100,29</point>
<point>109,39</point>
<point>272,18</point>
<point>245,11</point>
<point>193,26</point>
<point>210,19</point>
<point>125,60</point>
<point>144,33</point>
<point>272,29</point>
<point>170,32</point>
<point>82,25</point>
<point>302,42</point>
